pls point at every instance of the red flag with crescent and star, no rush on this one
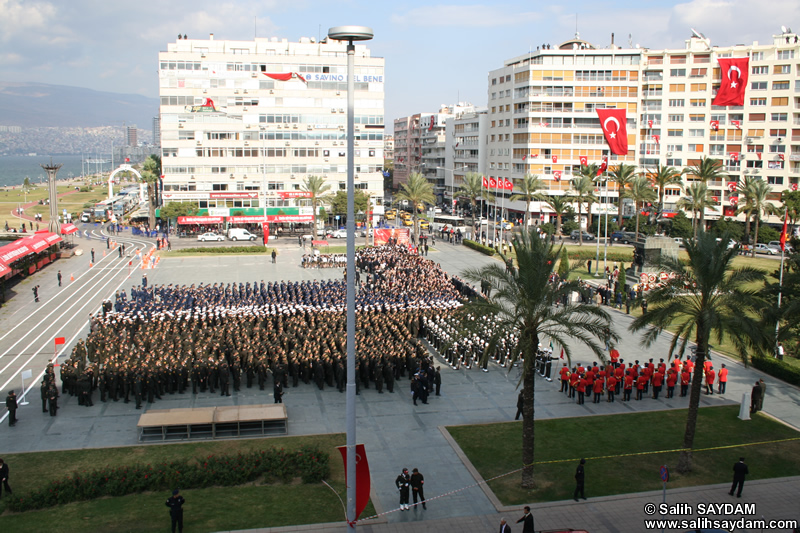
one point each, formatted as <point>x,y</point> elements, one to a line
<point>362,476</point>
<point>649,123</point>
<point>614,126</point>
<point>758,154</point>
<point>657,138</point>
<point>794,186</point>
<point>781,157</point>
<point>732,186</point>
<point>508,185</point>
<point>783,233</point>
<point>734,156</point>
<point>485,182</point>
<point>584,160</point>
<point>433,119</point>
<point>735,71</point>
<point>715,125</point>
<point>555,159</point>
<point>736,124</point>
<point>492,183</point>
<point>734,200</point>
<point>557,175</point>
<point>603,166</point>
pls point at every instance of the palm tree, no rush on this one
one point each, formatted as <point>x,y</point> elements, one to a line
<point>316,187</point>
<point>523,304</point>
<point>528,187</point>
<point>583,191</point>
<point>756,193</point>
<point>417,190</point>
<point>663,177</point>
<point>622,175</point>
<point>472,188</point>
<point>698,199</point>
<point>559,205</point>
<point>150,175</point>
<point>640,191</point>
<point>706,170</point>
<point>706,297</point>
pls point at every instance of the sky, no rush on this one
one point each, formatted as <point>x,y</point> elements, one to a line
<point>436,53</point>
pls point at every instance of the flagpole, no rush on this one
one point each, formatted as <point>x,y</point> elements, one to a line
<point>597,239</point>
<point>780,279</point>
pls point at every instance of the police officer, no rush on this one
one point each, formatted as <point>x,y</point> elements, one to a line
<point>175,504</point>
<point>402,482</point>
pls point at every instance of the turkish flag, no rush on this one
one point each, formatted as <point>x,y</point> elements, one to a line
<point>265,227</point>
<point>492,183</point>
<point>603,166</point>
<point>485,182</point>
<point>759,155</point>
<point>735,71</point>
<point>649,123</point>
<point>557,175</point>
<point>737,124</point>
<point>534,155</point>
<point>715,125</point>
<point>614,126</point>
<point>732,186</point>
<point>734,156</point>
<point>431,126</point>
<point>794,186</point>
<point>783,233</point>
<point>127,159</point>
<point>508,185</point>
<point>524,157</point>
<point>362,477</point>
<point>555,159</point>
<point>657,138</point>
<point>781,156</point>
<point>715,199</point>
<point>584,161</point>
<point>734,200</point>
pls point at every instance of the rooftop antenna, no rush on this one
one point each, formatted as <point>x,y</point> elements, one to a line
<point>630,41</point>
<point>577,35</point>
<point>783,29</point>
<point>255,26</point>
<point>697,34</point>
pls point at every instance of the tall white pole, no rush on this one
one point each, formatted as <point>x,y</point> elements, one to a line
<point>780,285</point>
<point>597,237</point>
<point>605,238</point>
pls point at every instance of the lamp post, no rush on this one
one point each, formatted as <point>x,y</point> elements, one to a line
<point>600,183</point>
<point>351,34</point>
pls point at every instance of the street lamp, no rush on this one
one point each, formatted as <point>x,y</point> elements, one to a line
<point>351,34</point>
<point>600,183</point>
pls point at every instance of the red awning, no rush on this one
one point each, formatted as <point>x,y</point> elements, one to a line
<point>200,220</point>
<point>4,270</point>
<point>319,243</point>
<point>290,218</point>
<point>68,229</point>
<point>42,240</point>
<point>250,219</point>
<point>14,251</point>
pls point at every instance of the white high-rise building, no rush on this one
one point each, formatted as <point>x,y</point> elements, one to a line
<point>247,121</point>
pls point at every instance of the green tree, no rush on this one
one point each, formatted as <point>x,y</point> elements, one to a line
<point>664,177</point>
<point>707,297</point>
<point>756,201</point>
<point>317,189</point>
<point>791,204</point>
<point>388,174</point>
<point>150,175</point>
<point>622,280</point>
<point>472,189</point>
<point>697,199</point>
<point>339,202</point>
<point>563,264</point>
<point>623,176</point>
<point>707,169</point>
<point>560,206</point>
<point>583,192</point>
<point>728,225</point>
<point>178,209</point>
<point>417,190</point>
<point>681,226</point>
<point>529,187</point>
<point>522,307</point>
<point>26,184</point>
<point>641,192</point>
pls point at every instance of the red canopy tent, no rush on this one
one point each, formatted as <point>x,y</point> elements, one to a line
<point>68,229</point>
<point>4,270</point>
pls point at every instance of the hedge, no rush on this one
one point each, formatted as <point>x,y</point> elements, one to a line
<point>479,247</point>
<point>308,463</point>
<point>778,369</point>
<point>586,254</point>
<point>223,250</point>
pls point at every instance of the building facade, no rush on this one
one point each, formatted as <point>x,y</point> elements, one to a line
<point>244,123</point>
<point>407,151</point>
<point>465,152</point>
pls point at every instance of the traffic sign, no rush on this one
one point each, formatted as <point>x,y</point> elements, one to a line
<point>664,474</point>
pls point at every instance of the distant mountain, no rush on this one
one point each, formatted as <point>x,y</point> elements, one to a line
<point>33,105</point>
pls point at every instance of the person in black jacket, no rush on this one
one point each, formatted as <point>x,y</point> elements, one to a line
<point>175,504</point>
<point>11,405</point>
<point>739,472</point>
<point>402,482</point>
<point>520,404</point>
<point>527,521</point>
<point>4,477</point>
<point>417,481</point>
<point>579,477</point>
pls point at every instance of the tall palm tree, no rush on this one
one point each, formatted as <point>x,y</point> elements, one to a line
<point>583,191</point>
<point>697,199</point>
<point>756,194</point>
<point>417,190</point>
<point>528,190</point>
<point>150,175</point>
<point>560,205</point>
<point>523,304</point>
<point>640,191</point>
<point>662,178</point>
<point>316,187</point>
<point>472,188</point>
<point>708,169</point>
<point>622,175</point>
<point>706,297</point>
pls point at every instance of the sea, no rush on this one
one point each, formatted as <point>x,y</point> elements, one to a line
<point>14,168</point>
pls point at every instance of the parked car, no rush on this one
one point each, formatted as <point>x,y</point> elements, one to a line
<point>777,245</point>
<point>424,224</point>
<point>576,235</point>
<point>210,236</point>
<point>339,234</point>
<point>240,234</point>
<point>762,248</point>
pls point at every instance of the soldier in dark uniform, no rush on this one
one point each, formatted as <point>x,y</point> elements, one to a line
<point>44,388</point>
<point>579,478</point>
<point>417,482</point>
<point>224,378</point>
<point>403,482</point>
<point>277,391</point>
<point>138,386</point>
<point>11,405</point>
<point>52,399</point>
<point>175,504</point>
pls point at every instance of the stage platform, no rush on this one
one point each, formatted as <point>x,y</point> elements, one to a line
<point>213,422</point>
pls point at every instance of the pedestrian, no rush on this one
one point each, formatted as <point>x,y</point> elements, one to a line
<point>402,482</point>
<point>277,391</point>
<point>144,281</point>
<point>58,276</point>
<point>11,405</point>
<point>527,521</point>
<point>35,290</point>
<point>763,387</point>
<point>723,379</point>
<point>644,307</point>
<point>740,470</point>
<point>755,398</point>
<point>579,478</point>
<point>4,478</point>
<point>417,481</point>
<point>504,527</point>
<point>520,403</point>
<point>43,390</point>
<point>175,504</point>
<point>274,255</point>
<point>437,380</point>
<point>92,252</point>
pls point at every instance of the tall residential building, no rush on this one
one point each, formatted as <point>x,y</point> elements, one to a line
<point>243,122</point>
<point>157,132</point>
<point>388,147</point>
<point>132,136</point>
<point>542,117</point>
<point>407,156</point>
<point>466,134</point>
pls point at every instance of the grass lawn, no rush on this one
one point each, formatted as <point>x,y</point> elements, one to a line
<point>211,509</point>
<point>600,438</point>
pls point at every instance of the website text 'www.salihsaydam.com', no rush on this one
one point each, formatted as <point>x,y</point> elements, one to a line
<point>701,517</point>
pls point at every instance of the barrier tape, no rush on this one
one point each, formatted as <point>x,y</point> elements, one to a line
<point>486,481</point>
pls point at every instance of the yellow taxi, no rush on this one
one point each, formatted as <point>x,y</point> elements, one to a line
<point>408,221</point>
<point>424,224</point>
<point>405,215</point>
<point>389,215</point>
<point>507,224</point>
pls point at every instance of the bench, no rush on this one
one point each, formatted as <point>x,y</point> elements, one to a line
<point>213,422</point>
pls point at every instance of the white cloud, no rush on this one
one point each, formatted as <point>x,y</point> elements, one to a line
<point>18,17</point>
<point>468,16</point>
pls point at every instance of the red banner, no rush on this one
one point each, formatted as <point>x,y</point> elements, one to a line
<point>382,235</point>
<point>265,227</point>
<point>252,194</point>
<point>615,129</point>
<point>290,218</point>
<point>60,340</point>
<point>200,220</point>
<point>294,194</point>
<point>68,229</point>
<point>735,71</point>
<point>247,219</point>
<point>362,477</point>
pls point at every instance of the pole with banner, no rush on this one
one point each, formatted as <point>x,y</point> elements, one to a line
<point>780,280</point>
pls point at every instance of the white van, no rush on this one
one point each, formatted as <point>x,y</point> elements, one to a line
<point>240,234</point>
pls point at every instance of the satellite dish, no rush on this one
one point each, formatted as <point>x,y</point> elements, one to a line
<point>697,34</point>
<point>783,29</point>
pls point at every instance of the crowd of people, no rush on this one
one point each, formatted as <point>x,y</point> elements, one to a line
<point>318,260</point>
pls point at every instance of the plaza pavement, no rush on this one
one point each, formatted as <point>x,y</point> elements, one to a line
<point>396,433</point>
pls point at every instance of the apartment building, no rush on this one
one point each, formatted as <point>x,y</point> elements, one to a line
<point>466,135</point>
<point>407,152</point>
<point>244,123</point>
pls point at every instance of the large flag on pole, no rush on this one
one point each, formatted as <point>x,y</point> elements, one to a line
<point>735,71</point>
<point>783,233</point>
<point>615,129</point>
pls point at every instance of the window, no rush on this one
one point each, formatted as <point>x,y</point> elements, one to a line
<point>757,56</point>
<point>677,72</point>
<point>674,118</point>
<point>674,133</point>
<point>681,103</point>
<point>777,133</point>
<point>697,102</point>
<point>757,117</point>
<point>779,117</point>
<point>777,149</point>
<point>716,149</point>
<point>674,148</point>
<point>695,147</point>
<point>677,88</point>
<point>494,110</point>
<point>758,86</point>
<point>698,72</point>
<point>494,81</point>
<point>677,60</point>
<point>782,69</point>
<point>494,96</point>
<point>696,133</point>
<point>785,54</point>
<point>697,118</point>
<point>674,162</point>
<point>719,118</point>
<point>697,87</point>
<point>775,180</point>
<point>758,101</point>
<point>780,101</point>
<point>780,85</point>
<point>760,70</point>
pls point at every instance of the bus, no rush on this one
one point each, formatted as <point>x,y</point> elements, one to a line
<point>449,222</point>
<point>103,210</point>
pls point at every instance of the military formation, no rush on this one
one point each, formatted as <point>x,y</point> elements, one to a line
<point>169,339</point>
